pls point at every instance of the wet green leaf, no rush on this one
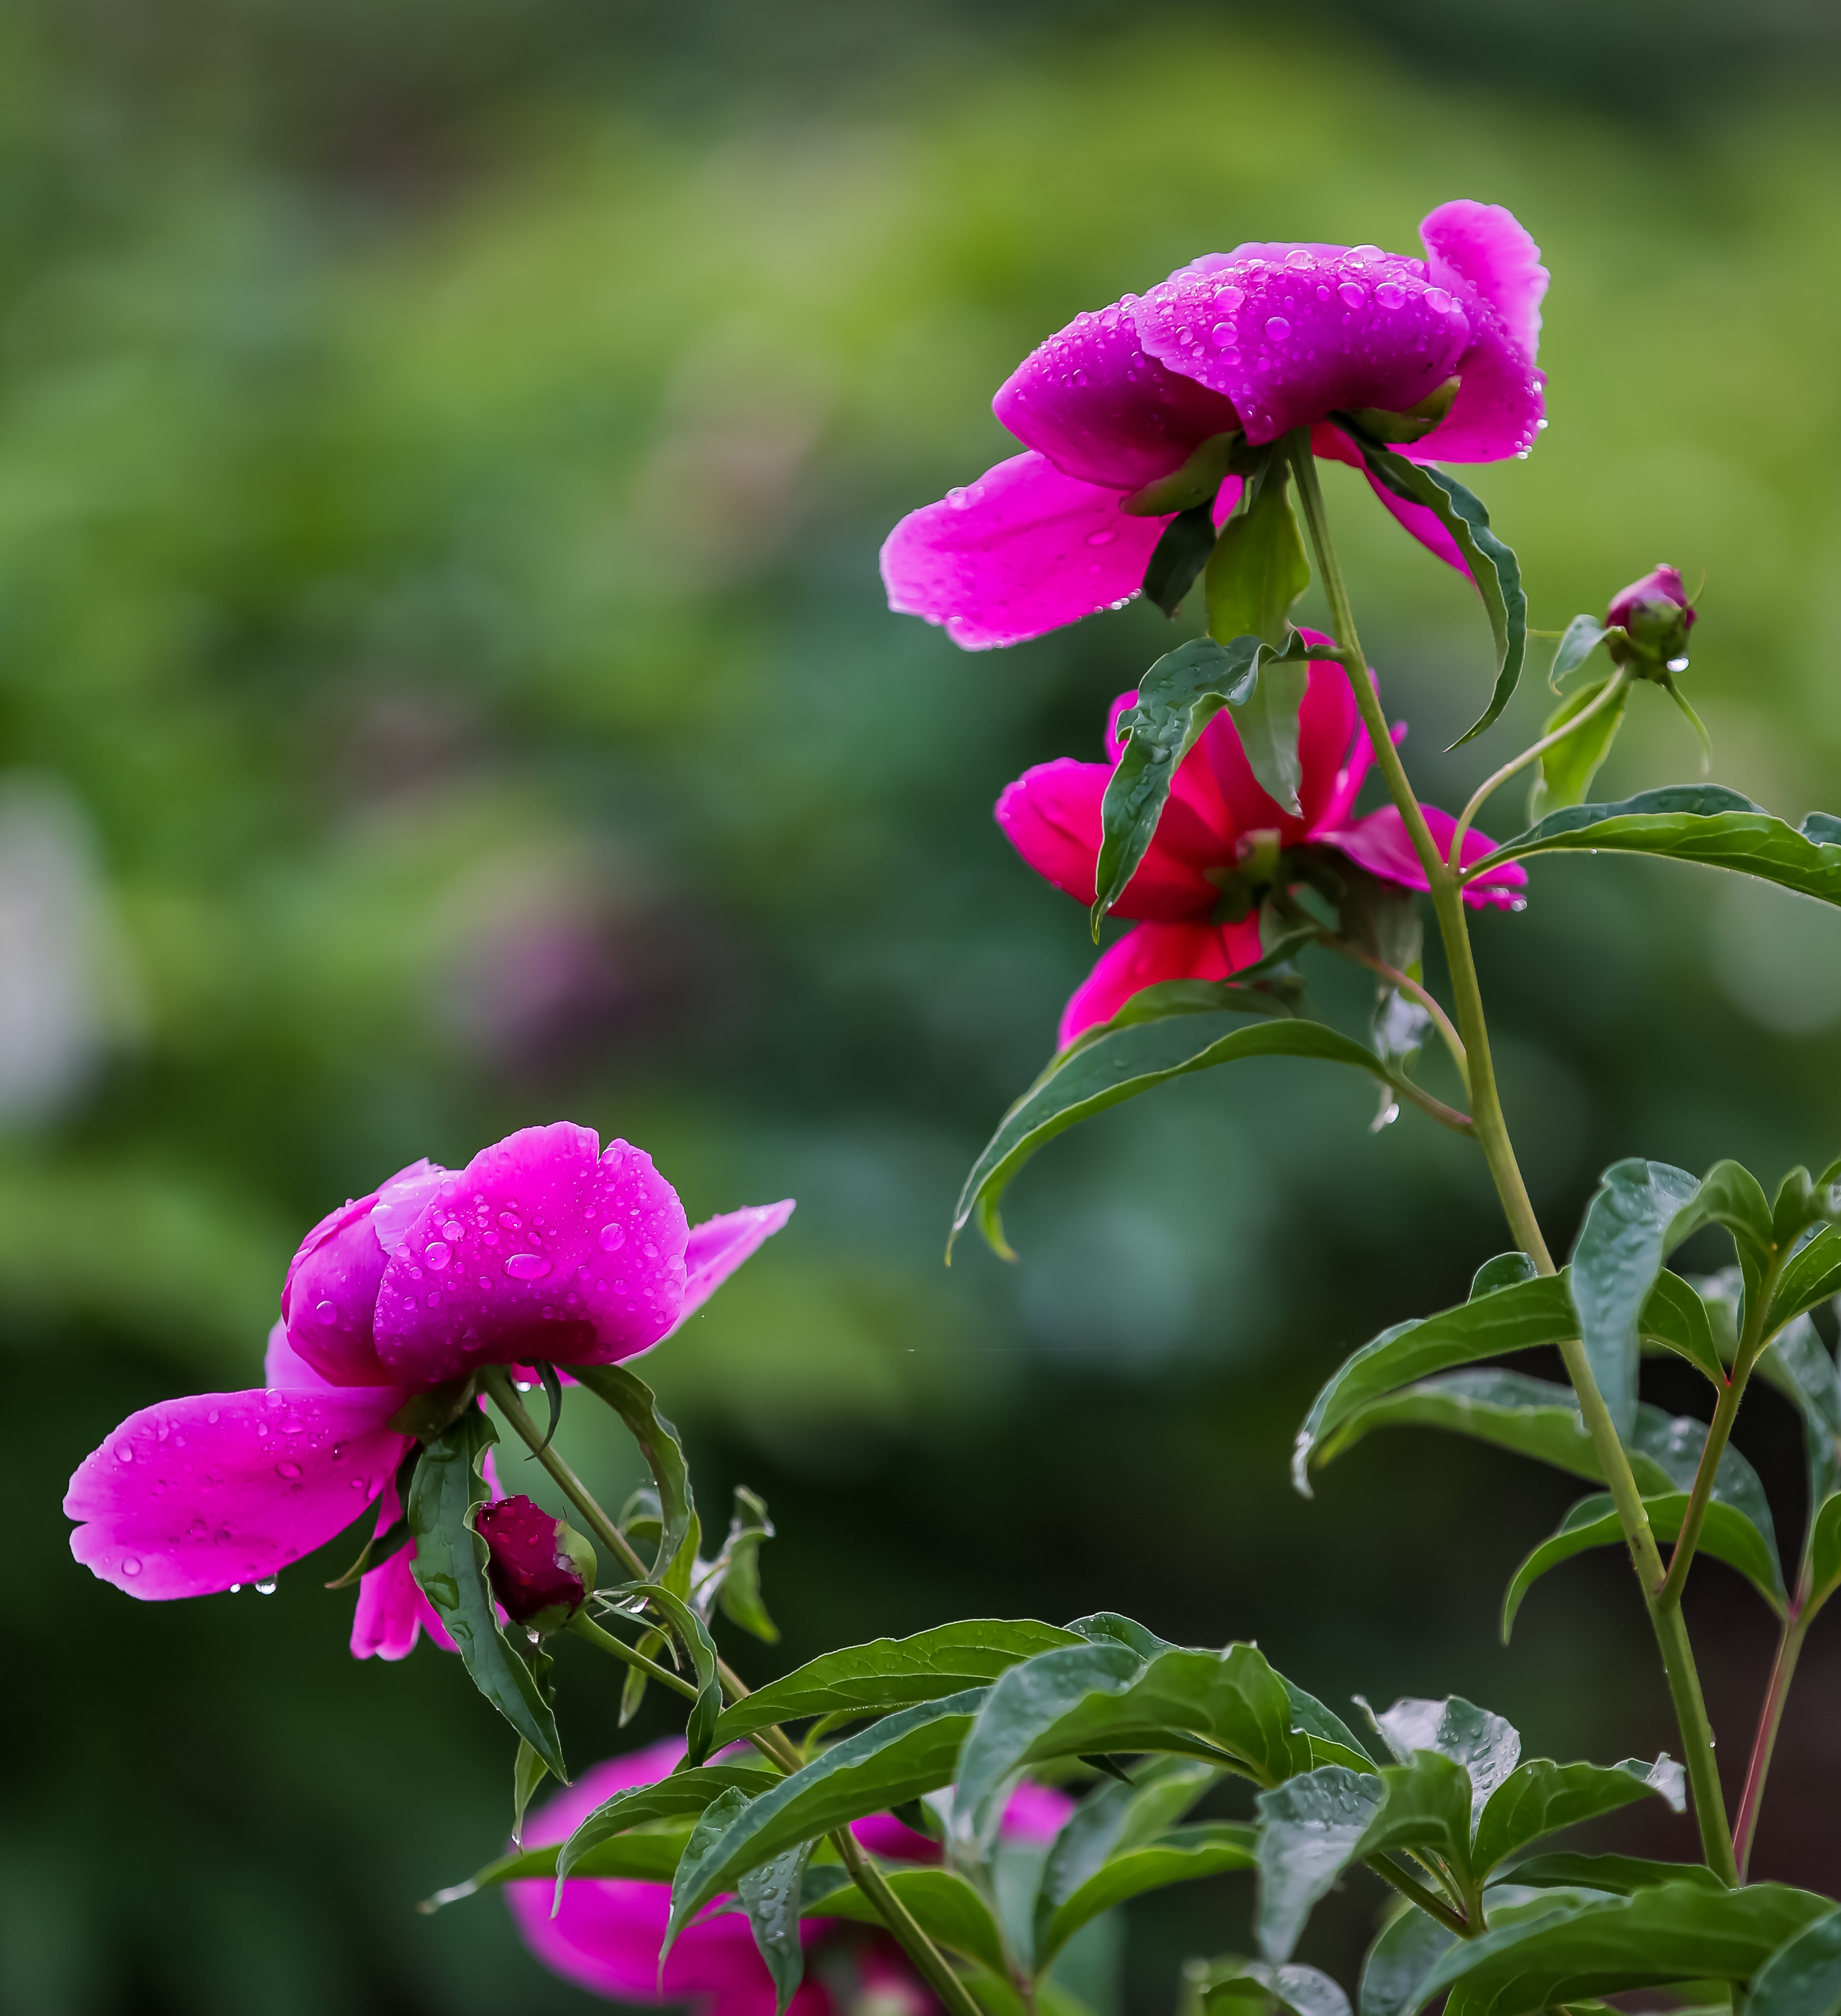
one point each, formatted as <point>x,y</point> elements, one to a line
<point>450,1567</point>
<point>1803,1978</point>
<point>1486,1746</point>
<point>1580,638</point>
<point>947,1908</point>
<point>647,1854</point>
<point>1309,1829</point>
<point>1230,1986</point>
<point>770,1896</point>
<point>1210,1848</point>
<point>1399,1961</point>
<point>529,1771</point>
<point>682,1797</point>
<point>1540,1796</point>
<point>1824,1551</point>
<point>737,1568</point>
<point>1567,769</point>
<point>1427,1805</point>
<point>1332,1741</point>
<point>689,1892</point>
<point>693,1635</point>
<point>1798,1364</point>
<point>1810,1277</point>
<point>634,1401</point>
<point>1623,1874</point>
<point>1178,557</point>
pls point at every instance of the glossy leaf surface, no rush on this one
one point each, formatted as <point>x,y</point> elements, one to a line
<point>1624,1874</point>
<point>648,1855</point>
<point>682,1796</point>
<point>1257,570</point>
<point>1235,1987</point>
<point>770,1896</point>
<point>1540,1796</point>
<point>948,1909</point>
<point>1567,769</point>
<point>1309,1829</point>
<point>1210,1848</point>
<point>1580,638</point>
<point>1486,1746</point>
<point>1178,557</point>
<point>636,1405</point>
<point>1803,1978</point>
<point>1407,1951</point>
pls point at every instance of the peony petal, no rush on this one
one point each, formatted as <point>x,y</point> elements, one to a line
<point>1484,256</point>
<point>1327,722</point>
<point>1380,843</point>
<point>282,1365</point>
<point>1104,412</point>
<point>392,1612</point>
<point>1021,552</point>
<point>720,1245</point>
<point>1292,332</point>
<point>1149,955</point>
<point>541,1248</point>
<point>193,1495</point>
<point>1051,816</point>
<point>1419,519</point>
<point>1035,1813</point>
<point>331,1294</point>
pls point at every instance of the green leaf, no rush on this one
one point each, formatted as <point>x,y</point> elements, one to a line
<point>1701,823</point>
<point>1399,1961</point>
<point>1234,1987</point>
<point>1623,1874</point>
<point>684,1795</point>
<point>529,1771</point>
<point>770,1896</point>
<point>379,1548</point>
<point>693,1635</point>
<point>1640,1213</point>
<point>1492,565</point>
<point>1102,1697</point>
<point>1178,557</point>
<point>1798,1365</point>
<point>1533,1417</point>
<point>1485,1745</point>
<point>648,1855</point>
<point>1803,1978</point>
<point>1177,698</point>
<point>1676,1318</point>
<point>1824,1552</point>
<point>736,1570</point>
<point>1568,768</point>
<point>634,1401</point>
<point>1540,1796</point>
<point>1427,1806</point>
<point>1119,1064</point>
<point>894,1672</point>
<point>947,1908</point>
<point>688,1891</point>
<point>1810,1277</point>
<point>1211,1848</point>
<point>1728,1535</point>
<point>1581,637</point>
<point>449,1566</point>
<point>1332,1741</point>
<point>1106,1627</point>
<point>1680,1932</point>
<point>1518,1318</point>
<point>898,1758</point>
<point>1259,569</point>
<point>1309,1828</point>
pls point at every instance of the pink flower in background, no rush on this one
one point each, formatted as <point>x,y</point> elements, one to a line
<point>607,1932</point>
<point>1660,593</point>
<point>1262,340</point>
<point>1051,816</point>
<point>542,1248</point>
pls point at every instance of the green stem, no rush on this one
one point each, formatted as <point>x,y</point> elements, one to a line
<point>1491,1131</point>
<point>1612,688</point>
<point>1411,1888</point>
<point>772,1742</point>
<point>584,1626</point>
<point>1412,989</point>
<point>1782,1670</point>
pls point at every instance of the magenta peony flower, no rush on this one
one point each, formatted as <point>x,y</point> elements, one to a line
<point>1051,816</point>
<point>1263,339</point>
<point>542,1248</point>
<point>1658,593</point>
<point>606,1934</point>
<point>540,1567</point>
<point>1655,616</point>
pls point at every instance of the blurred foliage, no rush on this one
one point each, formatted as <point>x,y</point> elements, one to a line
<point>443,452</point>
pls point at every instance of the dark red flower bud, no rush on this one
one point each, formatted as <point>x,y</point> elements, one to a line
<point>1654,616</point>
<point>540,1568</point>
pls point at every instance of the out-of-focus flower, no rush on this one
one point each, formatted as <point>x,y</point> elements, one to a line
<point>1218,818</point>
<point>542,1249</point>
<point>1655,615</point>
<point>607,1933</point>
<point>540,1567</point>
<point>1125,414</point>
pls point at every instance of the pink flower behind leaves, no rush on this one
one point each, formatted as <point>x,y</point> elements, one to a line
<point>1262,340</point>
<point>1051,816</point>
<point>545,1247</point>
<point>534,1561</point>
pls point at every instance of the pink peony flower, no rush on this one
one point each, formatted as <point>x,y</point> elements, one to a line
<point>607,1933</point>
<point>1051,816</point>
<point>540,1569</point>
<point>1658,593</point>
<point>1262,340</point>
<point>543,1248</point>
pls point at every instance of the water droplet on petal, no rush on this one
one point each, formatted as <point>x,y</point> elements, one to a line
<point>131,1565</point>
<point>123,1453</point>
<point>1101,539</point>
<point>1300,257</point>
<point>265,1589</point>
<point>1438,300</point>
<point>1222,333</point>
<point>326,1313</point>
<point>437,1254</point>
<point>1277,328</point>
<point>1390,294</point>
<point>510,1220</point>
<point>526,1266</point>
<point>289,1470</point>
<point>452,1229</point>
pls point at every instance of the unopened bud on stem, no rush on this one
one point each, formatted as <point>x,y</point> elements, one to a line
<point>540,1567</point>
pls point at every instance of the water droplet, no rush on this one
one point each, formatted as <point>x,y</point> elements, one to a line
<point>197,1530</point>
<point>526,1266</point>
<point>289,1470</point>
<point>326,1313</point>
<point>1277,328</point>
<point>131,1565</point>
<point>212,1417</point>
<point>1222,333</point>
<point>510,1220</point>
<point>1438,300</point>
<point>613,1238</point>
<point>236,1588</point>
<point>1299,259</point>
<point>123,1453</point>
<point>1390,294</point>
<point>1230,298</point>
<point>265,1588</point>
<point>437,1253</point>
<point>649,1251</point>
<point>1185,336</point>
<point>1677,664</point>
<point>1542,425</point>
<point>1101,539</point>
<point>452,1229</point>
<point>1367,252</point>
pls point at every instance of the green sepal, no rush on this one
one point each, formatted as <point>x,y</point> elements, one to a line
<point>449,1566</point>
<point>1726,1534</point>
<point>1259,567</point>
<point>1178,557</point>
<point>1492,565</point>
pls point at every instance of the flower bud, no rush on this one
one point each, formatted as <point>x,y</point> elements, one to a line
<point>540,1568</point>
<point>1654,615</point>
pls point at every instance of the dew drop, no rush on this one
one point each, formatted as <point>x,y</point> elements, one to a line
<point>1101,539</point>
<point>131,1565</point>
<point>123,1453</point>
<point>1299,259</point>
<point>1390,294</point>
<point>1222,333</point>
<point>1677,664</point>
<point>264,1588</point>
<point>437,1253</point>
<point>1277,328</point>
<point>510,1220</point>
<point>526,1266</point>
<point>325,1314</point>
<point>452,1229</point>
<point>1438,300</point>
<point>289,1470</point>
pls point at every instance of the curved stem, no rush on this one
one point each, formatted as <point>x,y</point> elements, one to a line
<point>1411,1888</point>
<point>1613,686</point>
<point>1783,1669</point>
<point>1492,1136</point>
<point>1412,989</point>
<point>772,1742</point>
<point>584,1626</point>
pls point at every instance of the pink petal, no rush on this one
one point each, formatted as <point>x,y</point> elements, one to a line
<point>1333,445</point>
<point>1051,816</point>
<point>720,1245</point>
<point>1036,1812</point>
<point>1023,550</point>
<point>1291,333</point>
<point>1381,844</point>
<point>1480,253</point>
<point>1102,412</point>
<point>1327,722</point>
<point>1149,955</point>
<point>392,1612</point>
<point>192,1495</point>
<point>329,1295</point>
<point>282,1365</point>
<point>541,1248</point>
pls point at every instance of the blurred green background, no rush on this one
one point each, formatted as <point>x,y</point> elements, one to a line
<point>444,686</point>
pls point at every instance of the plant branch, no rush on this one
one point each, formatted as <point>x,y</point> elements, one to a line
<point>1454,853</point>
<point>1415,1892</point>
<point>933,1966</point>
<point>1783,1669</point>
<point>1414,990</point>
<point>584,1626</point>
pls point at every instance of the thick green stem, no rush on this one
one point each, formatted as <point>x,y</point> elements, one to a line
<point>1776,1693</point>
<point>1491,1131</point>
<point>772,1742</point>
<point>1411,1888</point>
